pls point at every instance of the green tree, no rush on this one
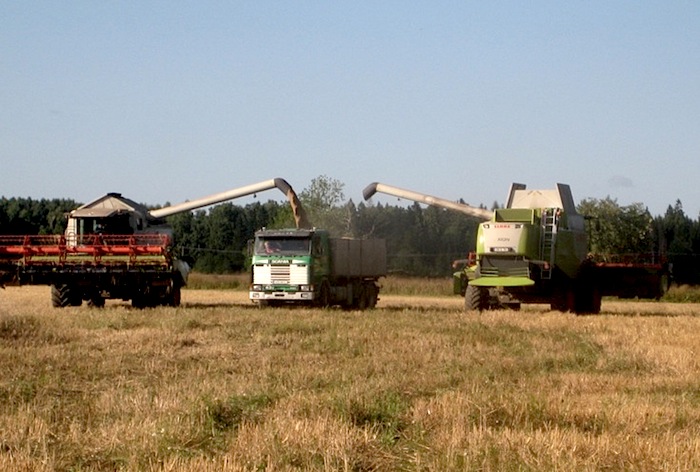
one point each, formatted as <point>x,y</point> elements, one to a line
<point>616,231</point>
<point>323,201</point>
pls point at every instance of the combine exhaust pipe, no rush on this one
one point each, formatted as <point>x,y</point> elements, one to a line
<point>375,187</point>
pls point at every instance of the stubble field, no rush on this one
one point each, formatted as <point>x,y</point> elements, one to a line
<point>416,384</point>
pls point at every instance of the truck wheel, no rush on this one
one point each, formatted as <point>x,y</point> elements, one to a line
<point>362,299</point>
<point>324,295</point>
<point>475,298</point>
<point>63,296</point>
<point>373,296</point>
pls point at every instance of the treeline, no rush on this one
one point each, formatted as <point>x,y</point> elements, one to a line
<point>29,216</point>
<point>421,241</point>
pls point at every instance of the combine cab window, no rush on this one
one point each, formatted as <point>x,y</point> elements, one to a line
<point>113,225</point>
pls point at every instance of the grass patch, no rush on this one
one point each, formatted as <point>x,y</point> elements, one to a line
<point>384,414</point>
<point>200,281</point>
<point>682,294</point>
<point>420,385</point>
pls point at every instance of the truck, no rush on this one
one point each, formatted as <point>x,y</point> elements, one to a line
<point>114,248</point>
<point>536,250</point>
<point>306,266</point>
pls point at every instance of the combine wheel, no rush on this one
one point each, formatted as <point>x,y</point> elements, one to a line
<point>174,296</point>
<point>63,296</point>
<point>138,302</point>
<point>476,298</point>
<point>588,300</point>
<point>564,299</point>
<point>96,301</point>
<point>144,301</point>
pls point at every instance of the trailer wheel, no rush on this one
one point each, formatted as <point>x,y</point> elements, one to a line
<point>63,296</point>
<point>476,298</point>
<point>362,300</point>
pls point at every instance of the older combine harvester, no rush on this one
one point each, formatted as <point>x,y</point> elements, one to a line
<point>114,248</point>
<point>535,250</point>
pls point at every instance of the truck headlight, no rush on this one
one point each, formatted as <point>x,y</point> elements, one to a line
<point>305,288</point>
<point>257,287</point>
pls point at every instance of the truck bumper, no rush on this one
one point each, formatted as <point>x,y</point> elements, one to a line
<point>282,296</point>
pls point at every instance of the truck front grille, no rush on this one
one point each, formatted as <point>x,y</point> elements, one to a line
<point>280,274</point>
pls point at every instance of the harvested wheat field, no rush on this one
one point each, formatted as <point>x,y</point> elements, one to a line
<point>416,384</point>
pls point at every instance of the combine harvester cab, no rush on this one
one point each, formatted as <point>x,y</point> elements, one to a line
<point>535,250</point>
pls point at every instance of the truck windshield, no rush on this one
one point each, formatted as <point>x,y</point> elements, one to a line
<point>291,246</point>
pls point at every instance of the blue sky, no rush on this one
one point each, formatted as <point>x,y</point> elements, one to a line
<point>167,101</point>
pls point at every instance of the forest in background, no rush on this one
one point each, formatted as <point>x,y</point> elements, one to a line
<point>421,241</point>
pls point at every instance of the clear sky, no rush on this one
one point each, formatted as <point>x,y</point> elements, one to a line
<point>166,101</point>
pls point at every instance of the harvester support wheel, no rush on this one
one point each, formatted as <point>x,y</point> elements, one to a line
<point>476,298</point>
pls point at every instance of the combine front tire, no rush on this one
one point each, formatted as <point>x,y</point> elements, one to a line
<point>476,298</point>
<point>63,296</point>
<point>175,296</point>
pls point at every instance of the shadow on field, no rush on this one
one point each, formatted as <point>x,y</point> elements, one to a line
<point>414,309</point>
<point>206,305</point>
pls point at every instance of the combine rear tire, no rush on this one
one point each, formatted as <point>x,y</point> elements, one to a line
<point>587,300</point>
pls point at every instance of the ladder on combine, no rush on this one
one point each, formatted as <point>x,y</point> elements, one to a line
<point>550,217</point>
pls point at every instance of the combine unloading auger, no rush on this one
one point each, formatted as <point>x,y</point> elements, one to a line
<point>375,187</point>
<point>300,217</point>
